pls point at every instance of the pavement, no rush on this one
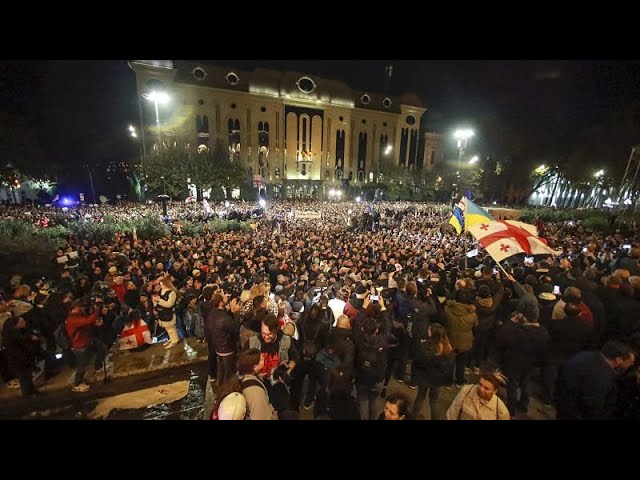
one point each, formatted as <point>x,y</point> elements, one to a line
<point>537,409</point>
<point>156,361</point>
<point>151,369</point>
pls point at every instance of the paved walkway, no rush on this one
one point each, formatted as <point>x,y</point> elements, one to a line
<point>155,359</point>
<point>120,364</point>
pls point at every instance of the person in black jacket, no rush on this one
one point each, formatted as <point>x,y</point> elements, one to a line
<point>223,332</point>
<point>433,365</point>
<point>372,338</point>
<point>586,387</point>
<point>521,344</point>
<point>21,347</point>
<point>313,337</point>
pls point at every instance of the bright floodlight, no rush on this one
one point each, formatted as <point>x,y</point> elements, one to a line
<point>262,202</point>
<point>134,134</point>
<point>473,160</point>
<point>463,133</point>
<point>132,128</point>
<point>599,173</point>
<point>358,199</point>
<point>339,193</point>
<point>387,150</point>
<point>332,192</point>
<point>158,97</point>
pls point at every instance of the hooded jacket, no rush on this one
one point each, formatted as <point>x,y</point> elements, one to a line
<point>461,318</point>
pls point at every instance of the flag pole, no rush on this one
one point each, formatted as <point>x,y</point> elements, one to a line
<point>466,249</point>
<point>501,268</point>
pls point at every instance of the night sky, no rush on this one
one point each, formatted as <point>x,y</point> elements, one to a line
<point>78,111</point>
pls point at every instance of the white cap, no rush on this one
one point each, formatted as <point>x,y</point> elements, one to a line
<point>232,407</point>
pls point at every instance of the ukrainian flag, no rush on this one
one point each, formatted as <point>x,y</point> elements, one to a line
<point>473,214</point>
<point>457,221</point>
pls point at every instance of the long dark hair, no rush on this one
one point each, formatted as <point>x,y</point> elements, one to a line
<point>439,340</point>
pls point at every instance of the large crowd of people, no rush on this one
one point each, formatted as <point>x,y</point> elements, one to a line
<point>321,312</point>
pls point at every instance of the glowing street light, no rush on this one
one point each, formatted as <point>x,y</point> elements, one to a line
<point>358,199</point>
<point>388,150</point>
<point>462,135</point>
<point>599,173</point>
<point>473,160</point>
<point>157,97</point>
<point>262,202</point>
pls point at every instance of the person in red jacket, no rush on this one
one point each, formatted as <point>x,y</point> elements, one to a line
<point>120,288</point>
<point>84,344</point>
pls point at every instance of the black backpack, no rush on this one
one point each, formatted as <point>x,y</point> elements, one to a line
<point>367,364</point>
<point>310,348</point>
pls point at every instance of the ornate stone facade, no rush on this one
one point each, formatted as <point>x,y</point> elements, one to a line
<point>301,133</point>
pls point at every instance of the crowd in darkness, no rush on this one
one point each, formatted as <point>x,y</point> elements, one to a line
<point>321,313</point>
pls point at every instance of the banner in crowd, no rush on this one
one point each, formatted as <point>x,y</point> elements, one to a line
<point>308,215</point>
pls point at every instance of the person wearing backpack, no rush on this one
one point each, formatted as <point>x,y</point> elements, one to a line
<point>371,334</point>
<point>313,337</point>
<point>433,366</point>
<point>249,384</point>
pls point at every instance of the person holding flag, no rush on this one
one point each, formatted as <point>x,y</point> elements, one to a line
<point>473,214</point>
<point>466,214</point>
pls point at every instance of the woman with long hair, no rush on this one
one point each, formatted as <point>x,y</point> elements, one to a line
<point>433,365</point>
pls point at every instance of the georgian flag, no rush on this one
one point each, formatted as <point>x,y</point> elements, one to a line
<point>135,336</point>
<point>504,238</point>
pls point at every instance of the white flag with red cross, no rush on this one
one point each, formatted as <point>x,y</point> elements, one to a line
<point>504,238</point>
<point>134,336</point>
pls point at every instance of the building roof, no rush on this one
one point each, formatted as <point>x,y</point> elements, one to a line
<point>288,84</point>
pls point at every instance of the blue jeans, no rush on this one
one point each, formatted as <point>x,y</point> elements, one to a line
<point>434,394</point>
<point>369,399</point>
<point>83,355</point>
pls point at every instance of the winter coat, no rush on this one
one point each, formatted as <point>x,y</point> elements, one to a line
<point>519,347</point>
<point>461,318</point>
<point>486,309</point>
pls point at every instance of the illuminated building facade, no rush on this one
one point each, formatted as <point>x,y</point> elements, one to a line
<point>301,134</point>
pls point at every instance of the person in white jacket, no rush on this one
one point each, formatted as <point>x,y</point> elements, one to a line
<point>165,304</point>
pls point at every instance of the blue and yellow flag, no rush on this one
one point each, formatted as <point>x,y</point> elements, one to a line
<point>473,214</point>
<point>457,220</point>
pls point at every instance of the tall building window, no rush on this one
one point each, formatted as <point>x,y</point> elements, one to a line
<point>404,140</point>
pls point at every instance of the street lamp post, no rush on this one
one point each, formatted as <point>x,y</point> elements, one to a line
<point>93,190</point>
<point>157,97</point>
<point>134,134</point>
<point>164,197</point>
<point>462,135</point>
